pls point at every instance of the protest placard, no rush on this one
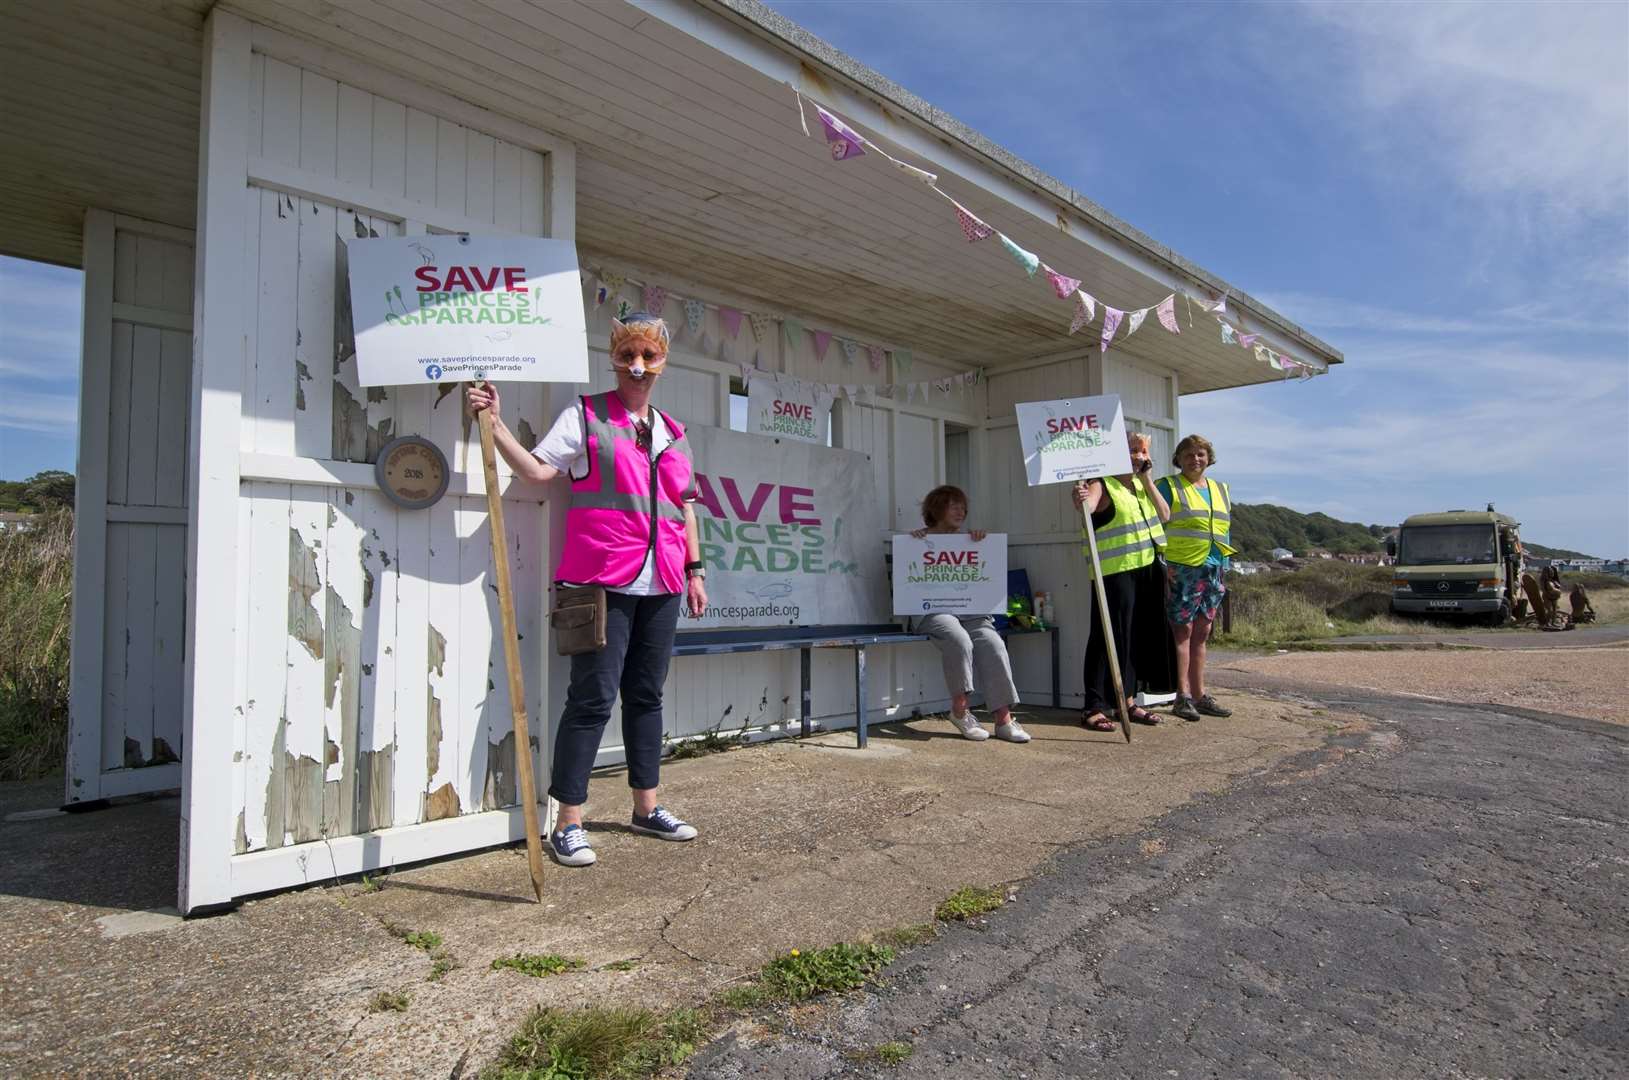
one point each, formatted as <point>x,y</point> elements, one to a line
<point>787,408</point>
<point>950,573</point>
<point>1073,439</point>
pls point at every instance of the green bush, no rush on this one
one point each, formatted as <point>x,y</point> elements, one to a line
<point>36,585</point>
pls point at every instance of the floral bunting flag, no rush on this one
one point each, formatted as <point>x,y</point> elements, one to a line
<point>844,141</point>
<point>972,228</point>
<point>793,329</point>
<point>874,354</point>
<point>1027,259</point>
<point>760,325</point>
<point>969,379</point>
<point>624,309</point>
<point>1135,322</point>
<point>695,314</point>
<point>655,297</point>
<point>1266,356</point>
<point>1085,311</point>
<point>1061,284</point>
<point>1247,340</point>
<point>943,386</point>
<point>613,282</point>
<point>903,361</point>
<point>731,318</point>
<point>1111,323</point>
<point>1167,313</point>
<point>851,348</point>
<point>1227,334</point>
<point>601,294</point>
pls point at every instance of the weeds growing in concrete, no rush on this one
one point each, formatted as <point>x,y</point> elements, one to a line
<point>369,885</point>
<point>537,965</point>
<point>969,902</point>
<point>905,937</point>
<point>389,1001</point>
<point>709,742</point>
<point>622,965</point>
<point>444,962</point>
<point>888,1053</point>
<point>599,1043</point>
<point>428,940</point>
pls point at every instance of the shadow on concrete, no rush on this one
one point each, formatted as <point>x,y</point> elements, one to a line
<point>123,858</point>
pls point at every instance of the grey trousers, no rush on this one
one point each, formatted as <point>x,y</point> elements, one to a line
<point>962,641</point>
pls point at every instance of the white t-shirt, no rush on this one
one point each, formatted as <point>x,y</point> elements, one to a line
<point>566,448</point>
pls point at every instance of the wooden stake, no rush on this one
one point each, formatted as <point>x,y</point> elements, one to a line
<point>1103,619</point>
<point>511,654</point>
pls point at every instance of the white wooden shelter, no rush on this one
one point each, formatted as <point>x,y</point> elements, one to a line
<point>253,622</point>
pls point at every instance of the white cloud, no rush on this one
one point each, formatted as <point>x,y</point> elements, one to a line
<point>57,414</point>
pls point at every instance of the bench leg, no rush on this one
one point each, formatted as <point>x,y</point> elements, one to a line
<point>804,711</point>
<point>1057,696</point>
<point>859,694</point>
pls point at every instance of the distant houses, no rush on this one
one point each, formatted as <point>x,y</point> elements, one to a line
<point>14,522</point>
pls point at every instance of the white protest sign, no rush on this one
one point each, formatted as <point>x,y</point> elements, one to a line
<point>950,573</point>
<point>791,533</point>
<point>787,408</point>
<point>1073,439</point>
<point>444,308</point>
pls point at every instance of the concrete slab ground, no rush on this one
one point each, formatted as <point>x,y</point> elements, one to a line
<point>803,844</point>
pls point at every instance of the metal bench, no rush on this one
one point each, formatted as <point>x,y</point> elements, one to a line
<point>807,638</point>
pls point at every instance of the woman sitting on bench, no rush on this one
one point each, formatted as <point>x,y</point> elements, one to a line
<point>963,640</point>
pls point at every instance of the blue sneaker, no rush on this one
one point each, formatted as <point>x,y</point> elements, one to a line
<point>570,847</point>
<point>663,824</point>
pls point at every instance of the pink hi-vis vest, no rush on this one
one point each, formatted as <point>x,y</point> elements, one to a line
<point>626,503</point>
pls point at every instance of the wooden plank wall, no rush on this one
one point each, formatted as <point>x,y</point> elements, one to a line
<point>371,690</point>
<point>148,372</point>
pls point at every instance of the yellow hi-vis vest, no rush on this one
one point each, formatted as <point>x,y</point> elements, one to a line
<point>1194,525</point>
<point>1128,541</point>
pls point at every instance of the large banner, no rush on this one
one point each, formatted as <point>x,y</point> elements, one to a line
<point>1073,439</point>
<point>791,533</point>
<point>788,408</point>
<point>438,308</point>
<point>950,573</point>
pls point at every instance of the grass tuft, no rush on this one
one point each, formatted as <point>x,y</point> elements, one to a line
<point>598,1043</point>
<point>389,1001</point>
<point>444,962</point>
<point>905,937</point>
<point>537,965</point>
<point>428,940</point>
<point>968,902</point>
<point>622,965</point>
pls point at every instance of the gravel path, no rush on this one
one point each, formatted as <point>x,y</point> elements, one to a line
<point>1585,682</point>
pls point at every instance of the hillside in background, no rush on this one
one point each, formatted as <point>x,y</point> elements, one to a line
<point>1259,528</point>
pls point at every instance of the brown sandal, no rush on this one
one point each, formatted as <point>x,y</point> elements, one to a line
<point>1098,722</point>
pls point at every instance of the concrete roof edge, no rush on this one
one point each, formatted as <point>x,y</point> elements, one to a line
<point>769,22</point>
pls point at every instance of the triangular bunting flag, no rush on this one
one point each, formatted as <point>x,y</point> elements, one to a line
<point>624,309</point>
<point>844,141</point>
<point>601,294</point>
<point>873,353</point>
<point>903,361</point>
<point>695,314</point>
<point>972,228</point>
<point>1227,334</point>
<point>822,341</point>
<point>760,325</point>
<point>1111,323</point>
<point>1061,284</point>
<point>1167,313</point>
<point>1027,259</point>
<point>1247,340</point>
<point>731,318</point>
<point>852,391</point>
<point>793,329</point>
<point>614,282</point>
<point>1135,323</point>
<point>1085,311</point>
<point>851,349</point>
<point>655,297</point>
<point>746,374</point>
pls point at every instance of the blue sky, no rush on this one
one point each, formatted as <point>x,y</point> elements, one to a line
<point>1442,192</point>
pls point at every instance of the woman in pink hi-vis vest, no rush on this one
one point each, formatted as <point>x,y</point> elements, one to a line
<point>631,528</point>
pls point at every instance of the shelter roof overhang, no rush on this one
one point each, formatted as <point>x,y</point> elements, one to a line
<point>690,160</point>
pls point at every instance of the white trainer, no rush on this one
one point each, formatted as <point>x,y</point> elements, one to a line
<point>1012,732</point>
<point>969,727</point>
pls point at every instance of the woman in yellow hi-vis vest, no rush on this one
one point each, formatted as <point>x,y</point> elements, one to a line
<point>1196,552</point>
<point>1127,512</point>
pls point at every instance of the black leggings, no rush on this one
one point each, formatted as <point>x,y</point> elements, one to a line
<point>1121,592</point>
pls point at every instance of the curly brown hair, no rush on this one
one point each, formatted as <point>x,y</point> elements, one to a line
<point>1193,442</point>
<point>937,501</point>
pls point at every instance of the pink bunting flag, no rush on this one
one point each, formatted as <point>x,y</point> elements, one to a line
<point>731,318</point>
<point>972,228</point>
<point>1085,311</point>
<point>1247,340</point>
<point>1167,313</point>
<point>843,140</point>
<point>1061,284</point>
<point>655,297</point>
<point>873,353</point>
<point>1111,323</point>
<point>822,341</point>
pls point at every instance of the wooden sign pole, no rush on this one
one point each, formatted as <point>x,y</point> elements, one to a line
<point>1103,619</point>
<point>511,654</point>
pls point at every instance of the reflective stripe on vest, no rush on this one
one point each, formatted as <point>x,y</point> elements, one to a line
<point>1194,524</point>
<point>1133,534</point>
<point>610,525</point>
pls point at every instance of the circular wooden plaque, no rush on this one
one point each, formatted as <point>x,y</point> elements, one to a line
<point>412,472</point>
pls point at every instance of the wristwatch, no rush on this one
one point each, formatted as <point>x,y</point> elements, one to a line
<point>696,569</point>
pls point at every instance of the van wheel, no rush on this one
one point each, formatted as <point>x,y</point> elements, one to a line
<point>1502,616</point>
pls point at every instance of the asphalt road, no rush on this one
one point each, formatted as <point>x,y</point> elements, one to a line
<point>1442,895</point>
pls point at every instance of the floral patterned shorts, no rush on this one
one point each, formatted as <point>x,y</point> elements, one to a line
<point>1195,592</point>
